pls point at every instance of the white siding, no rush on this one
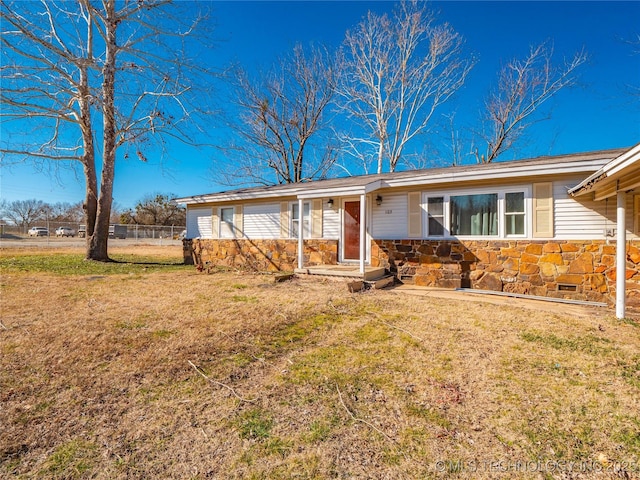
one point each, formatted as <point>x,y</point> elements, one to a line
<point>582,218</point>
<point>330,221</point>
<point>629,217</point>
<point>262,221</point>
<point>199,223</point>
<point>389,220</point>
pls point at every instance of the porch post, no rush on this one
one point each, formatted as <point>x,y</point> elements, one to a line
<point>621,256</point>
<point>363,232</point>
<point>300,237</point>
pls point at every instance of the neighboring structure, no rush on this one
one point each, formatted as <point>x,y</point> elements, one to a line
<point>545,226</point>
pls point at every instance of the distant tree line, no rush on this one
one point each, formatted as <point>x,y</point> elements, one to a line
<point>156,209</point>
<point>27,213</point>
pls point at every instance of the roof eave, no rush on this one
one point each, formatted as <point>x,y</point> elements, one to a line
<point>609,172</point>
<point>365,184</point>
<point>513,171</point>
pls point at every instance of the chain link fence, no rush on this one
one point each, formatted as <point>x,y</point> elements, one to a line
<point>155,231</point>
<point>71,229</point>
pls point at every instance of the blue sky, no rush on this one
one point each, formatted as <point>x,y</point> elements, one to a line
<point>598,114</point>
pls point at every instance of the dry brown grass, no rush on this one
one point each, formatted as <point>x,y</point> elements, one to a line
<point>305,381</point>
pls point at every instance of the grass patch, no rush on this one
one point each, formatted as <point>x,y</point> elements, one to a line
<point>134,325</point>
<point>244,299</point>
<point>372,332</point>
<point>630,321</point>
<point>75,264</point>
<point>163,333</point>
<point>587,344</point>
<point>278,446</point>
<point>630,437</point>
<point>319,430</point>
<point>323,365</point>
<point>631,371</point>
<point>431,415</point>
<point>254,424</point>
<point>298,330</point>
<point>70,460</point>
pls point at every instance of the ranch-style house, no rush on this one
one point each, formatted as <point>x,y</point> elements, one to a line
<point>560,226</point>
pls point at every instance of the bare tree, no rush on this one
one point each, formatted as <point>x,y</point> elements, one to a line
<point>156,209</point>
<point>23,213</point>
<point>634,89</point>
<point>398,71</point>
<point>281,120</point>
<point>66,212</point>
<point>523,86</point>
<point>90,72</point>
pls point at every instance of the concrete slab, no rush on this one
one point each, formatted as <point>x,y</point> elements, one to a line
<point>541,305</point>
<point>343,271</point>
<point>384,282</point>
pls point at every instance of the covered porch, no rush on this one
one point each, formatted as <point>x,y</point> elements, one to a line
<point>619,178</point>
<point>353,255</point>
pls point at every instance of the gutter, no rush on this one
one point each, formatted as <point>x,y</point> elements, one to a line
<point>587,184</point>
<point>608,170</point>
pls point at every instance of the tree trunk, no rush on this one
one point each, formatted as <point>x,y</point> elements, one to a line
<point>380,156</point>
<point>97,245</point>
<point>90,205</point>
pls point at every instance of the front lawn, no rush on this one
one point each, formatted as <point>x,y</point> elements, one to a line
<point>161,372</point>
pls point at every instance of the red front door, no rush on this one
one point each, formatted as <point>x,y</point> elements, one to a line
<point>352,230</point>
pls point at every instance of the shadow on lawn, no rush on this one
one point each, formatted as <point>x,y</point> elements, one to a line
<point>146,263</point>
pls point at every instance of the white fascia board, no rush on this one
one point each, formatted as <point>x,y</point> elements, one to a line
<point>618,164</point>
<point>236,197</point>
<point>513,171</point>
<point>373,186</point>
<point>345,190</point>
<point>623,161</point>
<point>332,192</point>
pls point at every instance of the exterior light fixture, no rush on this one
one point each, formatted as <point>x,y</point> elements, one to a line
<point>330,202</point>
<point>378,200</point>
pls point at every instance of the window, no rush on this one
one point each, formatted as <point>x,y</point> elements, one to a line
<point>474,214</point>
<point>503,213</point>
<point>435,210</point>
<point>295,220</point>
<point>226,223</point>
<point>514,213</point>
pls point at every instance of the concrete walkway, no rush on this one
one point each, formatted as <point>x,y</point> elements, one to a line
<point>540,305</point>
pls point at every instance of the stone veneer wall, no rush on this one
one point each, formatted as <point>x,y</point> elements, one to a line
<point>259,255</point>
<point>582,270</point>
